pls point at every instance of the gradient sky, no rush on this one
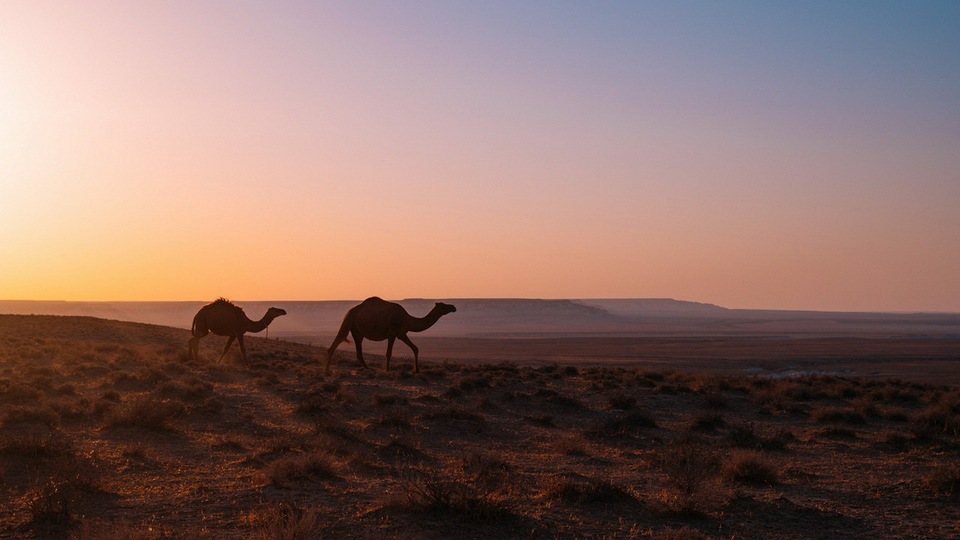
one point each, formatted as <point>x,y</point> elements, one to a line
<point>786,155</point>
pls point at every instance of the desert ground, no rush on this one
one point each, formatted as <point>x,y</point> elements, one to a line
<point>109,430</point>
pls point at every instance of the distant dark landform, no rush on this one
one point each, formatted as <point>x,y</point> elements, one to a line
<point>532,318</point>
<point>644,333</point>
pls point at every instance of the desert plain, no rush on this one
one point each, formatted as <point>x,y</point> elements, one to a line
<point>109,430</point>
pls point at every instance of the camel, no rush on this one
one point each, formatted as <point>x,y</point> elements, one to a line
<point>223,318</point>
<point>379,320</point>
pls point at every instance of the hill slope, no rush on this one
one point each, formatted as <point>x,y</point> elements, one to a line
<point>107,429</point>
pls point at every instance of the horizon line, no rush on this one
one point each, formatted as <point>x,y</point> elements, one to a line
<point>508,298</point>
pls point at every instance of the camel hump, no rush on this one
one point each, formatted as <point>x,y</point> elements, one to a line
<point>223,302</point>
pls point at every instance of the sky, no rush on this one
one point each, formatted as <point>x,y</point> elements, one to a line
<point>750,154</point>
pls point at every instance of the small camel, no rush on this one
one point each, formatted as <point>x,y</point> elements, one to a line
<point>379,320</point>
<point>223,318</point>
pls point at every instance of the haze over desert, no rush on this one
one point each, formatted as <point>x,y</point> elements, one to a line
<point>425,269</point>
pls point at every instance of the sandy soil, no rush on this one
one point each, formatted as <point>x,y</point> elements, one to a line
<point>108,430</point>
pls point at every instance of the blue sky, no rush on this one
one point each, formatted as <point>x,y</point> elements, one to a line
<point>751,154</point>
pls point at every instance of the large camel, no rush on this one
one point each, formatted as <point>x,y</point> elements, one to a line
<point>380,320</point>
<point>223,318</point>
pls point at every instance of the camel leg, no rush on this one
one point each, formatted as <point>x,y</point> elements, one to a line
<point>194,345</point>
<point>389,352</point>
<point>333,348</point>
<point>358,340</point>
<point>243,349</point>
<point>330,351</point>
<point>225,349</point>
<point>416,353</point>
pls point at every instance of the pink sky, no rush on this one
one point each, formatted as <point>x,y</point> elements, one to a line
<point>746,154</point>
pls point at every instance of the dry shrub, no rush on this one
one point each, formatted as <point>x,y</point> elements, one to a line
<point>472,383</point>
<point>838,415</point>
<point>691,468</point>
<point>35,446</point>
<point>466,421</point>
<point>683,533</point>
<point>19,414</point>
<point>544,420</point>
<point>300,470</point>
<point>53,505</point>
<point>487,471</point>
<point>285,521</point>
<point>840,433</point>
<point>708,422</point>
<point>590,491</point>
<point>329,424</point>
<point>451,494</point>
<point>781,397</point>
<point>944,481</point>
<point>396,417</point>
<point>102,530</point>
<point>745,435</point>
<point>895,440</point>
<point>622,401</point>
<point>387,400</point>
<point>750,467</point>
<point>556,398</point>
<point>630,424</point>
<point>715,400</point>
<point>146,412</point>
<point>314,401</point>
<point>654,376</point>
<point>939,418</point>
<point>867,407</point>
<point>192,389</point>
<point>67,408</point>
<point>16,392</point>
<point>570,445</point>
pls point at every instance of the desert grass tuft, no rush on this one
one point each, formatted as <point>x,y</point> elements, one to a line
<point>285,521</point>
<point>690,467</point>
<point>33,444</point>
<point>683,533</point>
<point>708,422</point>
<point>622,401</point>
<point>750,467</point>
<point>746,435</point>
<point>940,418</point>
<point>103,530</point>
<point>838,415</point>
<point>302,470</point>
<point>24,415</point>
<point>465,420</point>
<point>944,481</point>
<point>451,495</point>
<point>632,423</point>
<point>146,412</point>
<point>591,491</point>
<point>556,398</point>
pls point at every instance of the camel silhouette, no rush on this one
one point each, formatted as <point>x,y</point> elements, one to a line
<point>223,318</point>
<point>379,320</point>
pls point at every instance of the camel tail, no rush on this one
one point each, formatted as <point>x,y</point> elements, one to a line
<point>193,327</point>
<point>344,330</point>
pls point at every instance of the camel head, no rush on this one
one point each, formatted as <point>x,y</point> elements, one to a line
<point>273,313</point>
<point>443,309</point>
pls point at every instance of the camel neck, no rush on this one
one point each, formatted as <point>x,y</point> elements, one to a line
<point>257,326</point>
<point>421,324</point>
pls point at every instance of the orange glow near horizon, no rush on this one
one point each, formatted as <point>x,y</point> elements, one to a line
<point>304,152</point>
